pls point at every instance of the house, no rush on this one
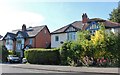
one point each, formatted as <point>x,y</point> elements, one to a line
<point>21,39</point>
<point>68,32</point>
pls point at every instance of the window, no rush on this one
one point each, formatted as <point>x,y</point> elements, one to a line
<point>30,41</point>
<point>9,44</point>
<point>20,44</point>
<point>56,38</point>
<point>71,36</point>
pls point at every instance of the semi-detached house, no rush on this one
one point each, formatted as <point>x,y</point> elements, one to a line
<point>21,39</point>
<point>69,32</point>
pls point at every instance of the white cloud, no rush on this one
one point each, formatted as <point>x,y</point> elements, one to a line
<point>11,19</point>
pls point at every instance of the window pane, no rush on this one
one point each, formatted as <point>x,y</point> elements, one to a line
<point>71,36</point>
<point>30,41</point>
<point>56,38</point>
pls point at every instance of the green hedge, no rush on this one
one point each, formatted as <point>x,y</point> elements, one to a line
<point>43,56</point>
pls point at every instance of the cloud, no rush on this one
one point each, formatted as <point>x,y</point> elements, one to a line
<point>11,19</point>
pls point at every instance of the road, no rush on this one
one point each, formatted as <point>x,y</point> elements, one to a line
<point>8,69</point>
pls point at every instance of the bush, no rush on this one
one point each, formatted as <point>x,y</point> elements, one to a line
<point>4,54</point>
<point>70,54</point>
<point>11,52</point>
<point>42,56</point>
<point>98,46</point>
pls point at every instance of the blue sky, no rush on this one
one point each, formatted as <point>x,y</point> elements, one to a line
<point>52,14</point>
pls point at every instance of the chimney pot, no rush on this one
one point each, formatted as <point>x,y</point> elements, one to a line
<point>23,27</point>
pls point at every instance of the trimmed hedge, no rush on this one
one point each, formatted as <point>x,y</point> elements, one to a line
<point>43,56</point>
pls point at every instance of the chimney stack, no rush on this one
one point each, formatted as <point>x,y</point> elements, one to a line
<point>84,18</point>
<point>23,27</point>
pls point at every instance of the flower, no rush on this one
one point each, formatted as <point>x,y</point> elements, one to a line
<point>104,61</point>
<point>101,61</point>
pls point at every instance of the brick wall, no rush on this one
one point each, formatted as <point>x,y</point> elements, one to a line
<point>43,39</point>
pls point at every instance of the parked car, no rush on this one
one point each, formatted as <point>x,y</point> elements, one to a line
<point>24,60</point>
<point>13,59</point>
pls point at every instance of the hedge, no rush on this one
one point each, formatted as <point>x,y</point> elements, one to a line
<point>43,56</point>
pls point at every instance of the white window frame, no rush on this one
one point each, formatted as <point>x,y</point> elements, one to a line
<point>9,44</point>
<point>71,36</point>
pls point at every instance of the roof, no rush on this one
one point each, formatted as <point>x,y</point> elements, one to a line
<point>12,35</point>
<point>110,24</point>
<point>77,25</point>
<point>96,20</point>
<point>82,26</point>
<point>24,34</point>
<point>107,24</point>
<point>30,32</point>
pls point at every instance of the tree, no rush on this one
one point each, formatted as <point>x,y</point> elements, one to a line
<point>115,14</point>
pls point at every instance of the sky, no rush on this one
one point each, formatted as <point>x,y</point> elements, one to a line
<point>53,13</point>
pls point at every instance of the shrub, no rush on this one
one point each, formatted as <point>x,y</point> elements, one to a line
<point>42,56</point>
<point>96,46</point>
<point>64,54</point>
<point>70,53</point>
<point>11,52</point>
<point>4,54</point>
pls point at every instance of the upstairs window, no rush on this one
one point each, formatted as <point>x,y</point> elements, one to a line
<point>30,41</point>
<point>56,38</point>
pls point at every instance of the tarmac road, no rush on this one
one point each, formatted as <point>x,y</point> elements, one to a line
<point>8,69</point>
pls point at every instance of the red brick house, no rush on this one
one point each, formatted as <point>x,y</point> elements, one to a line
<point>21,39</point>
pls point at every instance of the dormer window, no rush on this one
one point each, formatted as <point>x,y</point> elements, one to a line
<point>30,29</point>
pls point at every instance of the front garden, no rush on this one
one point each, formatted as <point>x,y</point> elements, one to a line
<point>98,50</point>
<point>101,50</point>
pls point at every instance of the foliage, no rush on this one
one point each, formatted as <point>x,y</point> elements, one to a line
<point>42,56</point>
<point>88,48</point>
<point>70,53</point>
<point>64,52</point>
<point>4,54</point>
<point>84,40</point>
<point>115,15</point>
<point>11,52</point>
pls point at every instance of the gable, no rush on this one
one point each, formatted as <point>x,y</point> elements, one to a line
<point>19,35</point>
<point>70,29</point>
<point>93,26</point>
<point>75,26</point>
<point>7,37</point>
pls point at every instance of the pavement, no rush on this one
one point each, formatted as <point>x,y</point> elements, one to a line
<point>68,68</point>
